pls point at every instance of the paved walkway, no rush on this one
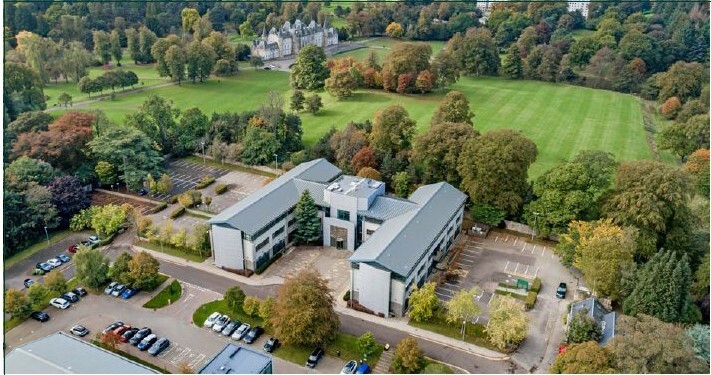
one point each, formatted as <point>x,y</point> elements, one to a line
<point>397,323</point>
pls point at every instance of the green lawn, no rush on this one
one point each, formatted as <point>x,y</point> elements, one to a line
<point>173,251</point>
<point>560,119</point>
<point>580,33</point>
<point>54,237</point>
<point>475,332</point>
<point>382,45</point>
<point>167,296</point>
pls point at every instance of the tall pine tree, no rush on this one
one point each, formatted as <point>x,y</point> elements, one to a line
<point>512,65</point>
<point>662,290</point>
<point>308,224</point>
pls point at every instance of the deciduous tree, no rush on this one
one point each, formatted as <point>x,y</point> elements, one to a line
<point>266,309</point>
<point>423,302</point>
<point>234,298</point>
<point>512,64</point>
<point>371,173</point>
<point>367,344</point>
<point>297,101</point>
<point>363,158</point>
<point>463,305</point>
<point>392,130</point>
<point>108,220</point>
<point>17,304</point>
<point>584,358</point>
<point>453,108</point>
<point>143,270</point>
<point>102,46</point>
<point>37,295</point>
<point>408,357</point>
<point>56,283</point>
<point>303,313</point>
<point>121,271</point>
<point>508,323</point>
<point>260,145</point>
<point>68,196</point>
<point>309,71</point>
<point>250,306</point>
<point>314,103</point>
<point>583,328</point>
<point>91,267</point>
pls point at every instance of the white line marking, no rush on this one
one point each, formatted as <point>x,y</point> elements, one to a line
<point>507,266</point>
<point>497,238</point>
<point>515,242</point>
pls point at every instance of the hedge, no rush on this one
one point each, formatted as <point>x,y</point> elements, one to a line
<point>531,300</point>
<point>220,189</point>
<point>536,286</point>
<point>160,207</point>
<point>177,213</point>
<point>173,199</point>
<point>205,182</point>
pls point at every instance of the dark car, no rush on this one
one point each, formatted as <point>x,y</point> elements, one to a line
<point>71,297</point>
<point>271,344</point>
<point>28,283</point>
<point>46,267</point>
<point>128,334</point>
<point>314,358</point>
<point>81,292</point>
<point>147,342</point>
<point>112,326</point>
<point>159,346</point>
<point>40,316</point>
<point>143,192</point>
<point>561,291</point>
<point>142,333</point>
<point>231,327</point>
<point>253,334</point>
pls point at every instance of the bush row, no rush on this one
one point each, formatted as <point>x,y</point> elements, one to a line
<point>160,207</point>
<point>220,189</point>
<point>205,182</point>
<point>177,213</point>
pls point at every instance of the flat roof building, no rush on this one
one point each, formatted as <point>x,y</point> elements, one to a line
<point>61,353</point>
<point>235,359</point>
<point>396,242</point>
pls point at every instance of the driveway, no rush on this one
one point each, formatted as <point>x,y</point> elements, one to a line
<point>332,264</point>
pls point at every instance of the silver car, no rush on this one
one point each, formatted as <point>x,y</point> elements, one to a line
<point>221,323</point>
<point>210,321</point>
<point>110,288</point>
<point>231,327</point>
<point>241,332</point>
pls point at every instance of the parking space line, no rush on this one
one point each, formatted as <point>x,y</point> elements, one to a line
<point>524,247</point>
<point>492,298</point>
<point>496,239</point>
<point>515,242</point>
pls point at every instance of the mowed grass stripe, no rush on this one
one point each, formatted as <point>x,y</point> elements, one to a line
<point>560,119</point>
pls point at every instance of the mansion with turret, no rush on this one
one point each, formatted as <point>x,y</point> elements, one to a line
<point>289,39</point>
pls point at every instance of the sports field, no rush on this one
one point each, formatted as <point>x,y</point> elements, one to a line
<point>560,119</point>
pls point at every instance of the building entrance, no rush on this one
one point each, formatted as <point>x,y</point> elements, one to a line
<point>339,236</point>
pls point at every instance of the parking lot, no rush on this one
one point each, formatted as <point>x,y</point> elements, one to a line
<point>185,175</point>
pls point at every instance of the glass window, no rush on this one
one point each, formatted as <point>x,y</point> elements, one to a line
<point>344,215</point>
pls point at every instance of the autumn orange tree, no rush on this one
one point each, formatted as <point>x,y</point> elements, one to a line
<point>303,313</point>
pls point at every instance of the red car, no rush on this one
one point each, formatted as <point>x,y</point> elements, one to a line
<point>73,249</point>
<point>120,330</point>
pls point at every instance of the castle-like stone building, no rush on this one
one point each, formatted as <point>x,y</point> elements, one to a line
<point>289,39</point>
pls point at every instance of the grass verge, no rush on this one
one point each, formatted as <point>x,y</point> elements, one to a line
<point>167,296</point>
<point>159,281</point>
<point>172,251</point>
<point>130,357</point>
<point>196,215</point>
<point>41,245</point>
<point>346,344</point>
<point>475,333</point>
<point>232,167</point>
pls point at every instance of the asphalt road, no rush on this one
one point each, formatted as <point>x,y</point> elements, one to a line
<point>349,324</point>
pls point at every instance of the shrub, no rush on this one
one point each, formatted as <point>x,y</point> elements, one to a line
<point>671,107</point>
<point>205,182</point>
<point>173,199</point>
<point>177,213</point>
<point>160,207</point>
<point>250,306</point>
<point>347,296</point>
<point>220,189</point>
<point>190,198</point>
<point>536,286</point>
<point>531,299</point>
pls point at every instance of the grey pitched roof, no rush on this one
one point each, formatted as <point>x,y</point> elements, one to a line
<point>315,188</point>
<point>604,317</point>
<point>48,355</point>
<point>385,208</point>
<point>401,241</point>
<point>233,359</point>
<point>256,210</point>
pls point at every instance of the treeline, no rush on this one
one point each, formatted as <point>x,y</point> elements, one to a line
<point>109,80</point>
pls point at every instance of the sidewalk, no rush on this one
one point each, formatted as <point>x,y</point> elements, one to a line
<point>399,324</point>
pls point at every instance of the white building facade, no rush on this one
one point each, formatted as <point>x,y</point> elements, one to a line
<point>582,6</point>
<point>289,39</point>
<point>395,242</point>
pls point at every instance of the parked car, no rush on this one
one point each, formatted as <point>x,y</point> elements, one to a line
<point>86,243</point>
<point>73,248</point>
<point>54,262</point>
<point>71,297</point>
<point>128,293</point>
<point>231,327</point>
<point>46,267</point>
<point>147,342</point>
<point>81,292</point>
<point>117,290</point>
<point>110,288</point>
<point>38,271</point>
<point>271,344</point>
<point>159,346</point>
<point>140,335</point>
<point>240,332</point>
<point>80,331</point>
<point>210,321</point>
<point>267,68</point>
<point>120,330</point>
<point>561,291</point>
<point>221,323</point>
<point>143,192</point>
<point>112,326</point>
<point>28,283</point>
<point>64,258</point>
<point>128,334</point>
<point>314,358</point>
<point>40,316</point>
<point>253,334</point>
<point>363,369</point>
<point>59,303</point>
<point>93,240</point>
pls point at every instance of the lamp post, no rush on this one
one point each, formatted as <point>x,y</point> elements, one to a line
<point>46,234</point>
<point>464,328</point>
<point>202,143</point>
<point>276,161</point>
<point>535,222</point>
